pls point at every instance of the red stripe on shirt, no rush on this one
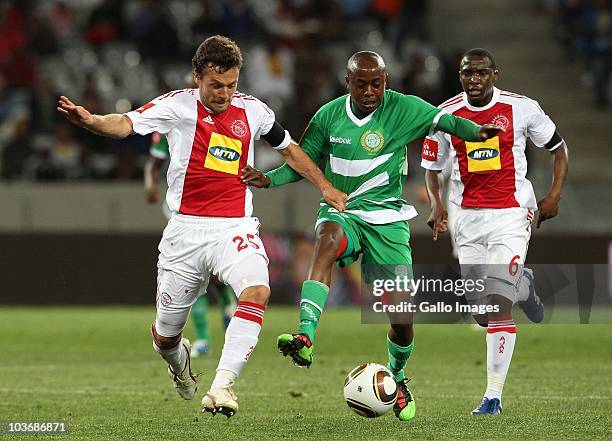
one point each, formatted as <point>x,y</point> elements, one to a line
<point>208,192</point>
<point>452,100</point>
<point>495,188</point>
<point>451,103</point>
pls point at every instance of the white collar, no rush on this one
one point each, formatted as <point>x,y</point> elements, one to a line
<point>491,103</point>
<point>351,115</point>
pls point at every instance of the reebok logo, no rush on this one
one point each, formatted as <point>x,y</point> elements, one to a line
<point>208,120</point>
<point>340,140</point>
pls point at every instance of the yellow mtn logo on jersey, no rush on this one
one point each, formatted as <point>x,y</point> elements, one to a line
<point>483,156</point>
<point>223,154</point>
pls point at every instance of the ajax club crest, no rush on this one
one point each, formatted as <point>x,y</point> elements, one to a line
<point>371,141</point>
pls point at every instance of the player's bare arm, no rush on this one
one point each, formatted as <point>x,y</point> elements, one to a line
<point>548,206</point>
<point>112,125</point>
<point>256,178</point>
<point>438,217</point>
<point>151,173</point>
<point>301,163</point>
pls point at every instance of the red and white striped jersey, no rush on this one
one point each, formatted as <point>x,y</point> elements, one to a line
<point>207,150</point>
<point>490,174</point>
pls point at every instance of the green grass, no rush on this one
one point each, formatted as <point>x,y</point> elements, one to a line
<point>95,369</point>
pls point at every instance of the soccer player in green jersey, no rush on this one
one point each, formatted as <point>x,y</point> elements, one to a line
<point>158,154</point>
<point>363,135</point>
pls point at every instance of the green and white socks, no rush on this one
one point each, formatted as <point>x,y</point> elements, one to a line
<point>398,358</point>
<point>314,296</point>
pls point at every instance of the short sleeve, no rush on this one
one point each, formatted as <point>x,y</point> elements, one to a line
<point>266,119</point>
<point>435,152</point>
<point>540,128</point>
<point>159,115</point>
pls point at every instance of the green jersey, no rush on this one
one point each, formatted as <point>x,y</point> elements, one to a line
<point>159,146</point>
<point>366,156</point>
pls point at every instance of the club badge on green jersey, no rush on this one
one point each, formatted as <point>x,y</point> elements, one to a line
<point>372,142</point>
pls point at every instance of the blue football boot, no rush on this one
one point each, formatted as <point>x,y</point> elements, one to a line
<point>488,407</point>
<point>533,306</point>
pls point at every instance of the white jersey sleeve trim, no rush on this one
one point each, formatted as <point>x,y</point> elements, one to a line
<point>556,146</point>
<point>435,121</point>
<point>286,141</point>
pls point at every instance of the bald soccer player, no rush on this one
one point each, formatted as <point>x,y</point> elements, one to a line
<point>363,135</point>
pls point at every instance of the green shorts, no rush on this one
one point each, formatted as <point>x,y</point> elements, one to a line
<point>385,248</point>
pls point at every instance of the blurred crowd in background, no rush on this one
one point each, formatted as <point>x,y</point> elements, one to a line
<point>585,31</point>
<point>115,55</point>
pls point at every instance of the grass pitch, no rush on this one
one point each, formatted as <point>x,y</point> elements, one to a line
<point>95,369</point>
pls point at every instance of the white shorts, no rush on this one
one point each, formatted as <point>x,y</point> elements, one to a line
<point>492,243</point>
<point>194,247</point>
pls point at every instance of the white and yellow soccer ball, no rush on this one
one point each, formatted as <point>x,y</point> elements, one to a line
<point>370,390</point>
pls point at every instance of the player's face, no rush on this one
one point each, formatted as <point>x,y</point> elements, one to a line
<point>477,79</point>
<point>367,88</point>
<point>216,88</point>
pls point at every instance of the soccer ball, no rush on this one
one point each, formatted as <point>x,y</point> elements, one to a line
<point>370,390</point>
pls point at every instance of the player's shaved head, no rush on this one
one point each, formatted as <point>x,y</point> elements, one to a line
<point>366,79</point>
<point>365,60</point>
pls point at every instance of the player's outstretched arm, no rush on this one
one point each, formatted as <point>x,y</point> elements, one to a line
<point>301,163</point>
<point>112,125</point>
<point>466,129</point>
<point>548,206</point>
<point>438,217</point>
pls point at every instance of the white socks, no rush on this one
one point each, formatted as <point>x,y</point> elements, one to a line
<point>241,338</point>
<point>501,336</point>
<point>176,357</point>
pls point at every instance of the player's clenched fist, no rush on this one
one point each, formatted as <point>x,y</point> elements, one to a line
<point>335,197</point>
<point>254,177</point>
<point>488,131</point>
<point>548,208</point>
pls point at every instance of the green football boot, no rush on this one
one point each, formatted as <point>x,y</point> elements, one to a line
<point>404,407</point>
<point>298,347</point>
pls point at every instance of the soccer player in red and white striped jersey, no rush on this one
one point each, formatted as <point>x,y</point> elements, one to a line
<point>494,203</point>
<point>211,131</point>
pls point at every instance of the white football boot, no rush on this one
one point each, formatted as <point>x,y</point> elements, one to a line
<point>185,383</point>
<point>222,400</point>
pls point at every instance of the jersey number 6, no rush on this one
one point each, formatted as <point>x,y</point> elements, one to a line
<point>514,265</point>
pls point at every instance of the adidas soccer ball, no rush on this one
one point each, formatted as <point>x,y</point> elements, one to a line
<point>370,390</point>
